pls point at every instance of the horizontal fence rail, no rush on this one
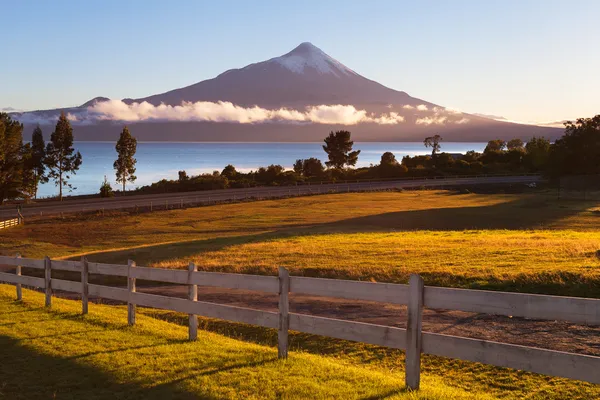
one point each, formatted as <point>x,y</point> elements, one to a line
<point>10,222</point>
<point>415,296</point>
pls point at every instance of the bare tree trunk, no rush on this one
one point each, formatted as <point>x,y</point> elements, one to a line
<point>123,185</point>
<point>60,182</point>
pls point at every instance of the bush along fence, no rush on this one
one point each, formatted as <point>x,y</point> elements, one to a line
<point>412,339</point>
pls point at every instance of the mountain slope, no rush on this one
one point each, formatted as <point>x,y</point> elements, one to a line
<point>299,96</point>
<point>304,76</point>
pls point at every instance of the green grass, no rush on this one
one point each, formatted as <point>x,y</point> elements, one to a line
<point>58,354</point>
<point>530,243</point>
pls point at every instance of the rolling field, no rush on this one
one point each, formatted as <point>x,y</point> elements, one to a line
<point>530,242</point>
<point>527,242</point>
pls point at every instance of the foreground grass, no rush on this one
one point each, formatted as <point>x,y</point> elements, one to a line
<point>530,243</point>
<point>59,354</point>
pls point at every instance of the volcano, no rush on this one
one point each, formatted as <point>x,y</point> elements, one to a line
<point>299,96</point>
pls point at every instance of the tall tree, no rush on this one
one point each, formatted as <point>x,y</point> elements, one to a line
<point>61,159</point>
<point>434,143</point>
<point>496,145</point>
<point>338,147</point>
<point>388,158</point>
<point>11,158</point>
<point>30,181</point>
<point>538,152</point>
<point>36,160</point>
<point>578,151</point>
<point>515,144</point>
<point>310,167</point>
<point>125,162</point>
<point>229,171</point>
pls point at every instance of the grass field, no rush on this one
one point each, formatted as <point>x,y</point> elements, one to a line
<point>59,354</point>
<point>528,242</point>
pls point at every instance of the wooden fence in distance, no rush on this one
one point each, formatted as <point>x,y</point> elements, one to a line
<point>412,339</point>
<point>10,222</point>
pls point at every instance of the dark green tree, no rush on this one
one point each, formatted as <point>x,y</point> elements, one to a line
<point>30,178</point>
<point>515,144</point>
<point>338,147</point>
<point>388,158</point>
<point>229,172</point>
<point>434,143</point>
<point>38,154</point>
<point>310,168</point>
<point>389,167</point>
<point>61,159</point>
<point>105,189</point>
<point>298,166</point>
<point>537,152</point>
<point>124,165</point>
<point>578,151</point>
<point>496,145</point>
<point>11,158</point>
<point>471,156</point>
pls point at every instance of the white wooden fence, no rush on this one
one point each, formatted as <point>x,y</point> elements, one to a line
<point>415,295</point>
<point>10,222</point>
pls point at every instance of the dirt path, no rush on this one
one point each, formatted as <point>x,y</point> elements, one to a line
<point>554,335</point>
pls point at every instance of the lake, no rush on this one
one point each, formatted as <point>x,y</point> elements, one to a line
<point>162,160</point>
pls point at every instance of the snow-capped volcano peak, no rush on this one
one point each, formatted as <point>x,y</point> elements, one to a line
<point>307,55</point>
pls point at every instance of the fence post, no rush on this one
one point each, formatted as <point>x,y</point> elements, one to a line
<point>48,280</point>
<point>413,332</point>
<point>284,309</point>
<point>18,285</point>
<point>192,296</point>
<point>84,285</point>
<point>131,289</point>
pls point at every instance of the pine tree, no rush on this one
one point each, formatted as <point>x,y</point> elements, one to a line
<point>29,183</point>
<point>338,147</point>
<point>125,163</point>
<point>11,158</point>
<point>38,154</point>
<point>61,159</point>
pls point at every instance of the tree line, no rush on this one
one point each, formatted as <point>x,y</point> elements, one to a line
<point>24,166</point>
<point>577,152</point>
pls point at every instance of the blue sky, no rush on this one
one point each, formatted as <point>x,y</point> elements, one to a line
<point>527,60</point>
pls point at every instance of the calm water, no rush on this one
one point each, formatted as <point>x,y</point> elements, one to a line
<point>156,161</point>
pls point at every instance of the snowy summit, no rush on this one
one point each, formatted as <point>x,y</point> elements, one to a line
<point>307,55</point>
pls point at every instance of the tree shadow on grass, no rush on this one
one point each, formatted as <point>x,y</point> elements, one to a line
<point>25,374</point>
<point>386,394</point>
<point>524,213</point>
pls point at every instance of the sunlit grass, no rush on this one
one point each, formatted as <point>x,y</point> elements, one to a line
<point>538,261</point>
<point>60,354</point>
<point>530,243</point>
